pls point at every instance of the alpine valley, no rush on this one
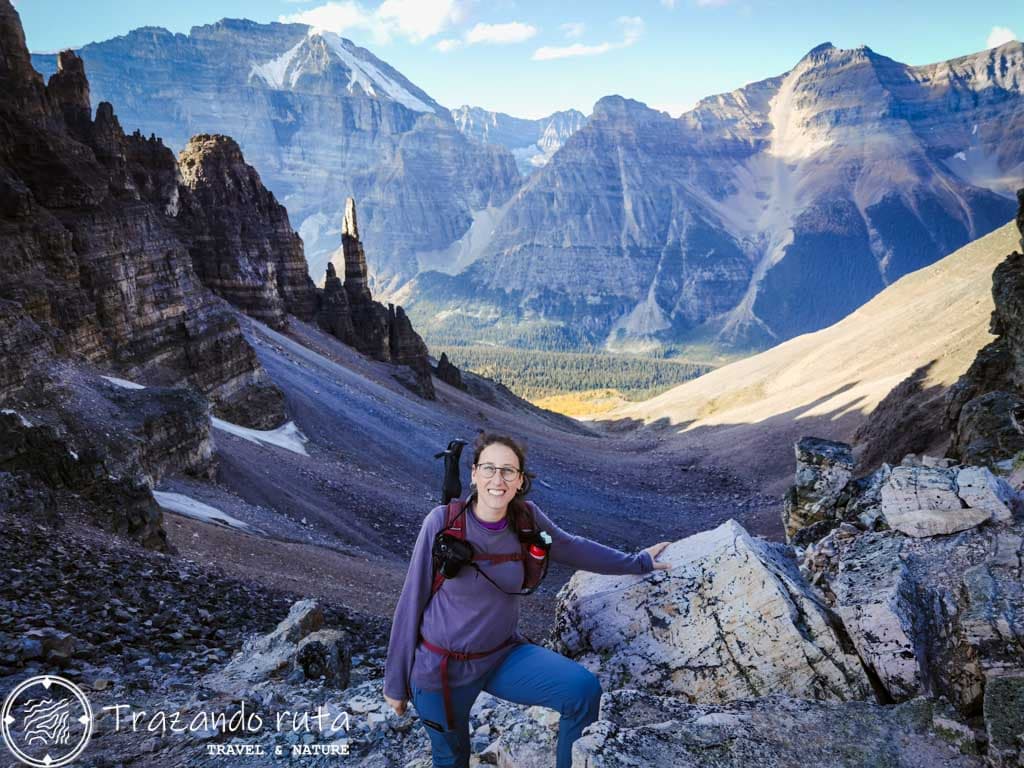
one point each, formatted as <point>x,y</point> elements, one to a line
<point>213,470</point>
<point>761,214</point>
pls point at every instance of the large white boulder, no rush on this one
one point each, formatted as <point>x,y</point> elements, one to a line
<point>734,619</point>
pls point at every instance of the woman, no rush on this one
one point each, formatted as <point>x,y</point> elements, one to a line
<point>448,645</point>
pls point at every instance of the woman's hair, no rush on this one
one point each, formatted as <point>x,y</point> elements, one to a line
<point>485,439</point>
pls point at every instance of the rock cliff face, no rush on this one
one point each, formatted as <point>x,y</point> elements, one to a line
<point>89,265</point>
<point>759,215</point>
<point>531,142</point>
<point>321,119</point>
<point>985,408</point>
<point>93,274</point>
<point>242,245</point>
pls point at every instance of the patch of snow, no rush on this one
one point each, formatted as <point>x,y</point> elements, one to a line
<point>73,454</point>
<point>974,129</point>
<point>24,422</point>
<point>284,71</point>
<point>369,77</point>
<point>189,507</point>
<point>122,383</point>
<point>288,436</point>
<point>274,72</point>
<point>961,156</point>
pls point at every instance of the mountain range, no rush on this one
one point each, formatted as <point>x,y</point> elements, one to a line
<point>759,215</point>
<point>321,119</point>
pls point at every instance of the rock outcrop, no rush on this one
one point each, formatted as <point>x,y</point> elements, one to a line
<point>448,373</point>
<point>925,496</point>
<point>242,246</point>
<point>733,619</point>
<point>823,470</point>
<point>932,616</point>
<point>348,311</point>
<point>299,648</point>
<point>91,266</point>
<point>95,276</point>
<point>923,563</point>
<point>643,729</point>
<point>985,408</point>
<point>79,440</point>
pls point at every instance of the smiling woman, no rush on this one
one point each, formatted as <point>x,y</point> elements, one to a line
<point>455,635</point>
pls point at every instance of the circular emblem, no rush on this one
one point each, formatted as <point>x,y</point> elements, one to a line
<point>46,721</point>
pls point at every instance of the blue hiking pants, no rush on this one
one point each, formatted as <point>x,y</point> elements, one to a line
<point>529,675</point>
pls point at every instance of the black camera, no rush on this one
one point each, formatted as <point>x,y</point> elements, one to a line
<point>450,554</point>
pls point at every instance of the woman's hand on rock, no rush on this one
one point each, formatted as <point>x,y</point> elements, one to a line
<point>656,550</point>
<point>399,705</point>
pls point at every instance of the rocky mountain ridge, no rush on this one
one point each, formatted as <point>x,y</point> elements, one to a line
<point>322,119</point>
<point>111,251</point>
<point>531,142</point>
<point>759,215</point>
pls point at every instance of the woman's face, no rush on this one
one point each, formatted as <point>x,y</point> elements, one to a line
<point>495,493</point>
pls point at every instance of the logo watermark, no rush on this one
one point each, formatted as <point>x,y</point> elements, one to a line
<point>46,721</point>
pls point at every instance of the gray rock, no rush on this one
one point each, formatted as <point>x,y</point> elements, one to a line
<point>733,619</point>
<point>298,643</point>
<point>640,729</point>
<point>919,501</point>
<point>823,470</point>
<point>938,615</point>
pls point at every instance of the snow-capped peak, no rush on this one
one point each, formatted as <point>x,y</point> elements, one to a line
<point>284,71</point>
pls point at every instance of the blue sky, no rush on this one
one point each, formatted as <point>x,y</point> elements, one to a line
<point>531,58</point>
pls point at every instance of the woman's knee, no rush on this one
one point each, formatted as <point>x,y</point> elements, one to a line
<point>586,692</point>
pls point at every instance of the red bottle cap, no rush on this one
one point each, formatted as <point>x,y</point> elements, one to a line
<point>537,551</point>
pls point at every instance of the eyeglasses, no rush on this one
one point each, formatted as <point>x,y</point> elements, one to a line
<point>508,474</point>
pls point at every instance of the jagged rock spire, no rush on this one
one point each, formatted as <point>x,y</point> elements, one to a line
<point>349,226</point>
<point>68,91</point>
<point>356,279</point>
<point>21,85</point>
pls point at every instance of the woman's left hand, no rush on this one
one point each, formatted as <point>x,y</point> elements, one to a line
<point>656,550</point>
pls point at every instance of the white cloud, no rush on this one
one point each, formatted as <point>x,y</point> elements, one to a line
<point>420,19</point>
<point>573,29</point>
<point>415,20</point>
<point>500,34</point>
<point>632,29</point>
<point>448,45</point>
<point>1000,35</point>
<point>334,16</point>
<point>669,3</point>
<point>712,3</point>
<point>549,52</point>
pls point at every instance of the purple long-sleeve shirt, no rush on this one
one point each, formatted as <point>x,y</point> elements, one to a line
<point>468,613</point>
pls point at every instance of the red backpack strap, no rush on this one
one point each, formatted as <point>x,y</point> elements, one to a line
<point>525,523</point>
<point>526,527</point>
<point>454,526</point>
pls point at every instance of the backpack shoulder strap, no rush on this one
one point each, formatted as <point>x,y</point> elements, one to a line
<point>454,520</point>
<point>454,526</point>
<point>525,521</point>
